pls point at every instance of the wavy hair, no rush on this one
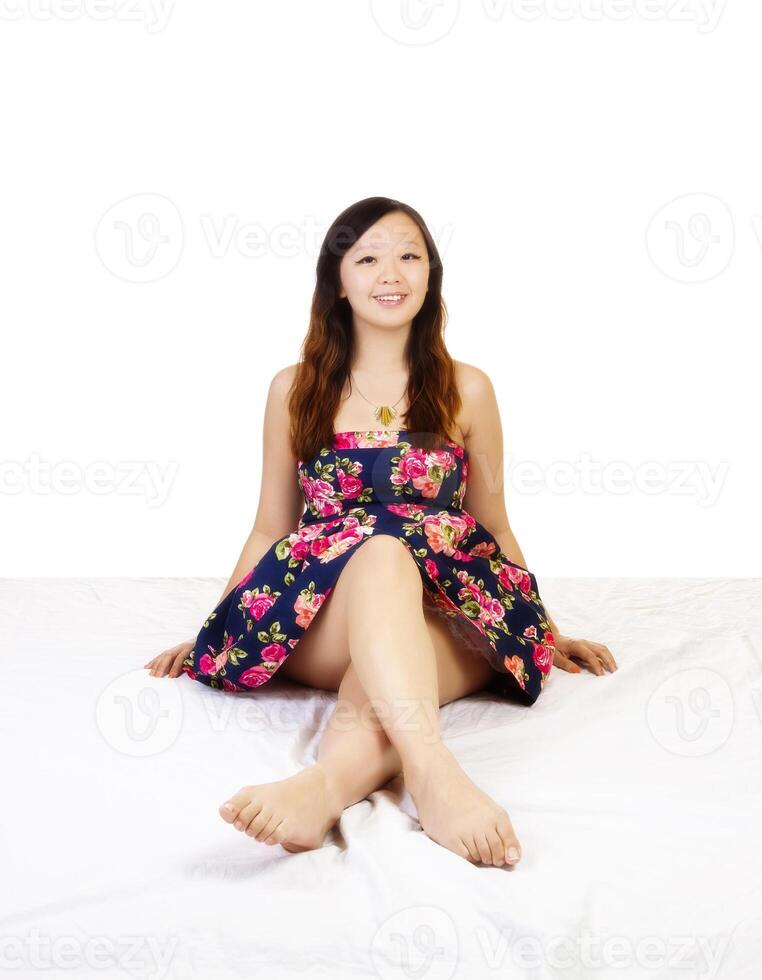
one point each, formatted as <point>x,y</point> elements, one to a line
<point>326,352</point>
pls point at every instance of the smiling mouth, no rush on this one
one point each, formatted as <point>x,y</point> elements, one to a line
<point>390,299</point>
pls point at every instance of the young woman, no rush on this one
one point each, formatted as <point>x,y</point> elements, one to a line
<point>381,563</point>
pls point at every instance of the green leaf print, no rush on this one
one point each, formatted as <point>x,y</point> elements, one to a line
<point>273,635</point>
<point>235,654</point>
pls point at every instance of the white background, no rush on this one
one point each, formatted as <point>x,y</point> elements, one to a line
<point>589,170</point>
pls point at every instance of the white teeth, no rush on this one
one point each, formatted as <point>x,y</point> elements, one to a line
<point>390,299</point>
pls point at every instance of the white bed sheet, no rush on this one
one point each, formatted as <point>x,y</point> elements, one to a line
<point>636,797</point>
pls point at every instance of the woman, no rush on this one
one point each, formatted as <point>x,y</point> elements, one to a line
<point>374,574</point>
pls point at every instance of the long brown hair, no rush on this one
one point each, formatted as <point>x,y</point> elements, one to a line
<point>326,351</point>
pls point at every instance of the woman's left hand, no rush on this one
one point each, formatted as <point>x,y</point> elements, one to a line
<point>595,656</point>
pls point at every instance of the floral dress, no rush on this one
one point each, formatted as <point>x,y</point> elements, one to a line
<point>366,484</point>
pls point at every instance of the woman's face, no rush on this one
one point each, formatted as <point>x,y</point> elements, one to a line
<point>390,258</point>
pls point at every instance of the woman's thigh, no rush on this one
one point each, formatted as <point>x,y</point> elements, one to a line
<point>321,657</point>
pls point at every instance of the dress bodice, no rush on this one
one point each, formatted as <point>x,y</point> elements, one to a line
<point>381,468</point>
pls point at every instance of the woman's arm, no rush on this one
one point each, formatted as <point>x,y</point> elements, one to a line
<point>255,546</point>
<point>485,494</point>
<point>280,500</point>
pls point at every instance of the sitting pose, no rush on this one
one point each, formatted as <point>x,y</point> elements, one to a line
<point>381,563</point>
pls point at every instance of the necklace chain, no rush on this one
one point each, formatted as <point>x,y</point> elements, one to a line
<point>384,413</point>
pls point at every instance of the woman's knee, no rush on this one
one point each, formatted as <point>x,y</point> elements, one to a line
<point>384,561</point>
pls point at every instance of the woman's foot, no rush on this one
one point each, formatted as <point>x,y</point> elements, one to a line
<point>454,812</point>
<point>296,812</point>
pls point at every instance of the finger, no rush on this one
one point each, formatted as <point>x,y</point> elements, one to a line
<point>565,664</point>
<point>177,666</point>
<point>160,667</point>
<point>605,654</point>
<point>584,652</point>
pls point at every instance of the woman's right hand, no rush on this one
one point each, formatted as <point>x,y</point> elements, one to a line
<point>171,660</point>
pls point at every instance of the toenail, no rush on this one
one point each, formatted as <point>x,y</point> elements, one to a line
<point>238,825</point>
<point>228,806</point>
<point>513,854</point>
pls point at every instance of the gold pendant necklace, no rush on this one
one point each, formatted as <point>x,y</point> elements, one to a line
<point>384,413</point>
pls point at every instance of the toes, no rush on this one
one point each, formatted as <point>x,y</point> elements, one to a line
<point>496,847</point>
<point>277,835</point>
<point>228,812</point>
<point>482,844</point>
<point>259,822</point>
<point>509,839</point>
<point>231,808</point>
<point>254,811</point>
<point>269,827</point>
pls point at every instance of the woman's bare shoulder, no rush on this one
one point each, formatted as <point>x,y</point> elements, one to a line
<point>475,387</point>
<point>470,378</point>
<point>283,378</point>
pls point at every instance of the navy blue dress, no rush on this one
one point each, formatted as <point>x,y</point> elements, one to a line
<point>370,483</point>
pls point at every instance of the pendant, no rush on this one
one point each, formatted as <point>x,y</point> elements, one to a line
<point>385,414</point>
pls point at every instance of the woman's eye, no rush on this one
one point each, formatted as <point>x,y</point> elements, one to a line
<point>412,255</point>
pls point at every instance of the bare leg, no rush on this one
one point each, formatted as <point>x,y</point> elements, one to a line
<point>392,652</point>
<point>355,755</point>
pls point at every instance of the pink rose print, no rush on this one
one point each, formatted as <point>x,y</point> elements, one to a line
<point>484,550</point>
<point>300,549</point>
<point>445,530</point>
<point>320,497</point>
<point>212,664</point>
<point>543,657</point>
<point>424,470</point>
<point>491,611</point>
<point>257,602</point>
<point>307,604</point>
<point>309,532</point>
<point>511,575</point>
<point>412,466</point>
<point>254,676</point>
<point>404,510</point>
<point>273,653</point>
<point>516,666</point>
<point>344,440</point>
<point>431,569</point>
<point>377,437</point>
<point>351,486</point>
<point>342,541</point>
